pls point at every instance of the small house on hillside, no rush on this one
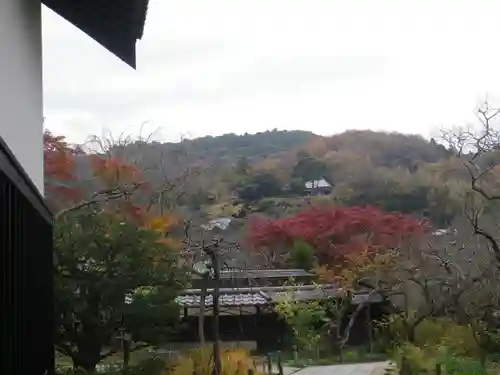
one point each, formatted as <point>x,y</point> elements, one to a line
<point>318,187</point>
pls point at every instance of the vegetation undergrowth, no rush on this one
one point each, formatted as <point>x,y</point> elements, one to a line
<point>350,355</point>
<point>437,342</point>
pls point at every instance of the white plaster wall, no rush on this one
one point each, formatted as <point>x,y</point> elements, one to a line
<point>21,94</point>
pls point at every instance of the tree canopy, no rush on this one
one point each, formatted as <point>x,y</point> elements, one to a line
<point>116,266</point>
<point>335,232</point>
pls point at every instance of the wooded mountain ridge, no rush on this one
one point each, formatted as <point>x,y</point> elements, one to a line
<point>394,171</point>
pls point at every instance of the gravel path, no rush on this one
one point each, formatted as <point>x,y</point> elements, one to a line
<point>351,369</point>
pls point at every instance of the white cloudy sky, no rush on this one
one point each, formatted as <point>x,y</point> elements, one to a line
<point>219,66</point>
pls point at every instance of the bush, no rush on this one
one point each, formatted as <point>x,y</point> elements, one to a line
<point>436,341</point>
<point>431,332</point>
<point>152,366</point>
<point>200,361</point>
<point>463,366</point>
<point>420,359</point>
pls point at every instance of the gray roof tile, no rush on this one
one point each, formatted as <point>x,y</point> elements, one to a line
<point>230,299</point>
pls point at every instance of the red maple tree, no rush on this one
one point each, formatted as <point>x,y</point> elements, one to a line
<point>59,167</point>
<point>114,185</point>
<point>337,232</point>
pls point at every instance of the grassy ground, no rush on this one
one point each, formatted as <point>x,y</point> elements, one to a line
<point>135,358</point>
<point>355,355</point>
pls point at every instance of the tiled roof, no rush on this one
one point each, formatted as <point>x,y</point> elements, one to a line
<point>322,183</point>
<point>267,295</point>
<point>232,299</point>
<point>263,274</point>
<point>306,294</point>
<point>115,24</point>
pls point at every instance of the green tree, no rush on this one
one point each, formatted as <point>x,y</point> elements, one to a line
<point>309,168</point>
<point>111,277</point>
<point>302,256</point>
<point>242,166</point>
<point>307,321</point>
<point>259,186</point>
<point>296,186</point>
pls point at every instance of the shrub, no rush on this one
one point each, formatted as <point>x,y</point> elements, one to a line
<point>421,359</point>
<point>151,366</point>
<point>200,361</point>
<point>463,366</point>
<point>458,339</point>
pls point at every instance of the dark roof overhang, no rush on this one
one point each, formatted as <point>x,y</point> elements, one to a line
<point>115,24</point>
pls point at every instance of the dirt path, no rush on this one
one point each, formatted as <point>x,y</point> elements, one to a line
<point>375,368</point>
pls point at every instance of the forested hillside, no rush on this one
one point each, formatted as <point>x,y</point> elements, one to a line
<point>383,211</point>
<point>266,172</point>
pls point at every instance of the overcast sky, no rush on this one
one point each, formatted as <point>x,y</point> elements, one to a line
<point>219,66</point>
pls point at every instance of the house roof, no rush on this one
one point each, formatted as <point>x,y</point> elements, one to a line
<point>262,273</point>
<point>115,24</point>
<point>226,299</point>
<point>268,295</point>
<point>321,183</point>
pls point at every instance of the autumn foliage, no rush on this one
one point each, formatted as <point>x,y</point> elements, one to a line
<point>59,167</point>
<point>111,247</point>
<point>337,233</point>
<point>115,185</point>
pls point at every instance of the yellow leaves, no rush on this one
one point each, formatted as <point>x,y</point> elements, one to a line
<point>268,164</point>
<point>161,224</point>
<point>114,171</point>
<point>369,264</point>
<point>325,274</point>
<point>272,165</point>
<point>317,146</point>
<point>200,361</point>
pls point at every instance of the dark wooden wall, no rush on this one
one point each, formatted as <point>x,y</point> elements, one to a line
<point>26,317</point>
<point>268,330</point>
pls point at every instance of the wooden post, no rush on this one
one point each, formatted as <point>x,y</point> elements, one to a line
<point>405,367</point>
<point>216,308</point>
<point>269,364</point>
<point>201,314</point>
<point>438,369</point>
<point>369,324</point>
<point>280,364</point>
<point>126,352</point>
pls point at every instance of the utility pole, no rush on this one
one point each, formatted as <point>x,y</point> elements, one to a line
<point>215,305</point>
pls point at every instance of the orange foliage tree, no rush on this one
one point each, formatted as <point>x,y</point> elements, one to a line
<point>110,246</point>
<point>114,184</point>
<point>59,165</point>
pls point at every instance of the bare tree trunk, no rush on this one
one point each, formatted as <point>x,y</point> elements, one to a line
<point>369,325</point>
<point>347,331</point>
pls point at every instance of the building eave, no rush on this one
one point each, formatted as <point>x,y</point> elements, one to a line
<point>115,24</point>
